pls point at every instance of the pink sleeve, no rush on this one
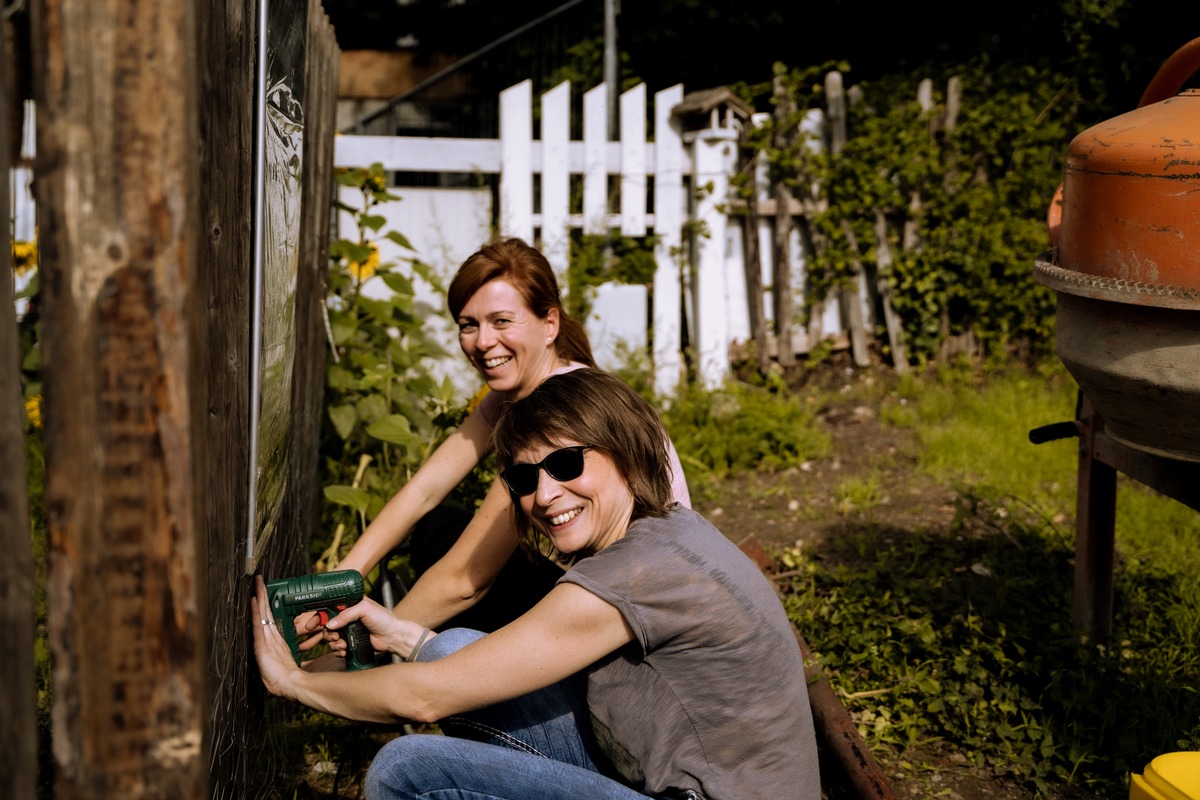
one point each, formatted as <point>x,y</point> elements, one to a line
<point>679,485</point>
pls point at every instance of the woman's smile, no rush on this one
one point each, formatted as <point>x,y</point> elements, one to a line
<point>512,347</point>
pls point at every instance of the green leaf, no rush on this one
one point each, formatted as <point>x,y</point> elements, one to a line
<point>399,239</point>
<point>358,499</point>
<point>398,283</point>
<point>381,310</point>
<point>394,429</point>
<point>344,419</point>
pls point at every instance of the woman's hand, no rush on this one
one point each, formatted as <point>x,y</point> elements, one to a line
<point>388,634</point>
<point>275,662</point>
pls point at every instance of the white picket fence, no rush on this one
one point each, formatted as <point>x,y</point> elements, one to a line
<point>711,289</point>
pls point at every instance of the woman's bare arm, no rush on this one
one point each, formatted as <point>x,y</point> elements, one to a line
<point>465,574</point>
<point>568,630</point>
<point>445,469</point>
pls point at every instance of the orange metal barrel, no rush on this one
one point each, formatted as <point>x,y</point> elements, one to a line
<point>1131,197</point>
<point>1126,266</point>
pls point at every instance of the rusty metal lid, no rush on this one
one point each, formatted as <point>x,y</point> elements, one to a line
<point>1129,220</point>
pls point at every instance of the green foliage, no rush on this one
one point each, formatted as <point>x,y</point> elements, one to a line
<point>959,641</point>
<point>741,427</point>
<point>385,411</point>
<point>599,259</point>
<point>964,201</point>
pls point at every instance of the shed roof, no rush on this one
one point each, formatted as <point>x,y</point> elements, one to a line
<point>705,100</point>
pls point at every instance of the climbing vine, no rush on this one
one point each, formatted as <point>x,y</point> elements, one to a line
<point>962,197</point>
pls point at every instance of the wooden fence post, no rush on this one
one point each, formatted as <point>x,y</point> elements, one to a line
<point>117,191</point>
<point>853,296</point>
<point>752,263</point>
<point>18,723</point>
<point>781,280</point>
<point>226,43</point>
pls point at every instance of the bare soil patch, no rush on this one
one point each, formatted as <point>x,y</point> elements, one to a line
<point>812,506</point>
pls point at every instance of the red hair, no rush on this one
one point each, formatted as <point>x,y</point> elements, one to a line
<point>528,271</point>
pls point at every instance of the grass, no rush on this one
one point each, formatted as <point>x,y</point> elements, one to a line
<point>966,630</point>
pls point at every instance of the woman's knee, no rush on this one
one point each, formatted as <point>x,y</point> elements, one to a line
<point>399,769</point>
<point>448,642</point>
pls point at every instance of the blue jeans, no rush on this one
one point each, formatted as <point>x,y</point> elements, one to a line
<point>536,747</point>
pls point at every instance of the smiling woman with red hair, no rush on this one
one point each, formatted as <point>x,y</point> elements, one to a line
<point>513,329</point>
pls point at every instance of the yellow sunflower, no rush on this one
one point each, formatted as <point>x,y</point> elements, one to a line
<point>33,410</point>
<point>24,257</point>
<point>362,270</point>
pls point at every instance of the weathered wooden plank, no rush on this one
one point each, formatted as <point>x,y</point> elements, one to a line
<point>752,267</point>
<point>226,47</point>
<point>781,281</point>
<point>883,284</point>
<point>18,723</point>
<point>853,295</point>
<point>118,191</point>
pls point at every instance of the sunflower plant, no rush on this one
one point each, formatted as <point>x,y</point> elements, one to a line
<point>385,410</point>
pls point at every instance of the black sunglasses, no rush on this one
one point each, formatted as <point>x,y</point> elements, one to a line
<point>562,465</point>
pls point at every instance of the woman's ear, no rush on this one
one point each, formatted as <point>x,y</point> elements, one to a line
<point>552,325</point>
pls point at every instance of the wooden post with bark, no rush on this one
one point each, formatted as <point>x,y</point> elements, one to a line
<point>781,280</point>
<point>835,99</point>
<point>18,721</point>
<point>752,263</point>
<point>117,194</point>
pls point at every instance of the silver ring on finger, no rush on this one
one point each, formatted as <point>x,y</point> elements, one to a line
<point>263,621</point>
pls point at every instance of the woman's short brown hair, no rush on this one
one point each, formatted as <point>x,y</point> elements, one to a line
<point>591,407</point>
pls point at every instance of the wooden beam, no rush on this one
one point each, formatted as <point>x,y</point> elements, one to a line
<point>117,192</point>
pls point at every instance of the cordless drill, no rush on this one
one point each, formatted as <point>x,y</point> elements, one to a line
<point>326,593</point>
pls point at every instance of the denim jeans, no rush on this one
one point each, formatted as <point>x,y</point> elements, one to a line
<point>536,747</point>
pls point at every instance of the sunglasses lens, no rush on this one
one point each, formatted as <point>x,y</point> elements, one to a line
<point>562,465</point>
<point>565,464</point>
<point>521,478</point>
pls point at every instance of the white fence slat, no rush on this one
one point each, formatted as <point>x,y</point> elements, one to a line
<point>633,161</point>
<point>595,169</point>
<point>670,205</point>
<point>705,277</point>
<point>556,179</point>
<point>516,163</point>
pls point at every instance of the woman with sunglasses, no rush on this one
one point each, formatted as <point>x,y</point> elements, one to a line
<point>662,663</point>
<point>514,331</point>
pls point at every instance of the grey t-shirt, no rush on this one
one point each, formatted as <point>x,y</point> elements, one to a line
<point>711,696</point>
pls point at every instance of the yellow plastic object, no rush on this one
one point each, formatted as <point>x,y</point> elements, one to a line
<point>1171,776</point>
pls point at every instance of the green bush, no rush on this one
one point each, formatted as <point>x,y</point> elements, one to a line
<point>741,427</point>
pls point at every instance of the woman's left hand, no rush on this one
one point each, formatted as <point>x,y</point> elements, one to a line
<point>275,662</point>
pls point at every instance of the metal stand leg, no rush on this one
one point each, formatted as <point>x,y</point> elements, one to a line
<point>1095,522</point>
